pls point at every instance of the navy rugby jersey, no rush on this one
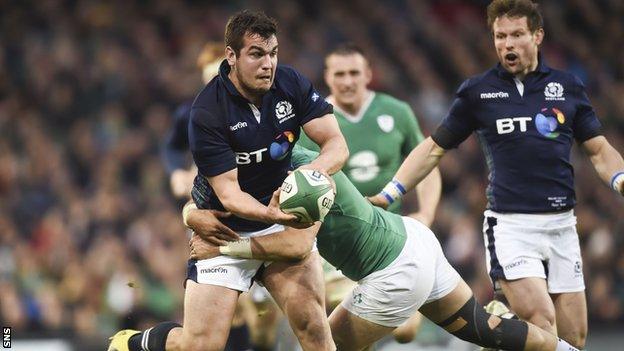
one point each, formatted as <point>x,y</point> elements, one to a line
<point>526,138</point>
<point>176,146</point>
<point>224,133</point>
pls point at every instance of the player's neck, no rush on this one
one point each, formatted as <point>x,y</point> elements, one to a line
<point>353,109</point>
<point>531,68</point>
<point>253,97</point>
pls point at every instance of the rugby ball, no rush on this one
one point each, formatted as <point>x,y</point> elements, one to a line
<point>306,193</point>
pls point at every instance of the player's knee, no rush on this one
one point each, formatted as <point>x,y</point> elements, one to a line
<point>542,315</point>
<point>471,323</point>
<point>576,338</point>
<point>404,334</point>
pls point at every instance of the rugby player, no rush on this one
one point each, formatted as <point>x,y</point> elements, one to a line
<point>175,153</point>
<point>242,128</point>
<point>399,266</point>
<point>380,131</point>
<point>526,116</point>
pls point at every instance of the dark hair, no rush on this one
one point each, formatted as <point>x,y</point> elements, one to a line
<point>515,9</point>
<point>248,22</point>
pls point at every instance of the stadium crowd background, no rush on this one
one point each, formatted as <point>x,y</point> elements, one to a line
<point>87,89</point>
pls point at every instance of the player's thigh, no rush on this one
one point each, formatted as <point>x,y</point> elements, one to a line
<point>441,309</point>
<point>351,332</point>
<point>298,289</point>
<point>571,312</point>
<point>292,284</point>
<point>529,299</point>
<point>208,312</point>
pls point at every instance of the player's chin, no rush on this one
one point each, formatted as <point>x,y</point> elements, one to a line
<point>263,86</point>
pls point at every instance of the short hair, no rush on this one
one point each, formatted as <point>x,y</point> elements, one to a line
<point>248,22</point>
<point>210,53</point>
<point>515,9</point>
<point>345,49</point>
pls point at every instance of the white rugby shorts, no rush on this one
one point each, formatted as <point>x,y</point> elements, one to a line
<point>545,246</point>
<point>420,274</point>
<point>231,272</point>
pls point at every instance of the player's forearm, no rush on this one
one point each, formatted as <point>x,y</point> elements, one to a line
<point>243,205</point>
<point>288,245</point>
<point>419,163</point>
<point>608,163</point>
<point>429,195</point>
<point>333,155</point>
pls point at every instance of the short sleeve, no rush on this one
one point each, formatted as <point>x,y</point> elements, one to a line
<point>413,134</point>
<point>311,103</point>
<point>586,124</point>
<point>459,123</point>
<point>176,143</point>
<point>209,143</point>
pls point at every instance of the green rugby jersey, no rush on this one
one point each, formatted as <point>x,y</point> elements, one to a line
<point>379,139</point>
<point>356,237</point>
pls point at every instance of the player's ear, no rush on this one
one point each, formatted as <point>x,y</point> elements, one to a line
<point>368,73</point>
<point>538,36</point>
<point>230,55</point>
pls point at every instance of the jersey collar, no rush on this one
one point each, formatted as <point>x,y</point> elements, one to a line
<point>363,109</point>
<point>541,68</point>
<point>224,70</point>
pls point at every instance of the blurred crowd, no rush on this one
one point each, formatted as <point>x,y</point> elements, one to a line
<point>90,237</point>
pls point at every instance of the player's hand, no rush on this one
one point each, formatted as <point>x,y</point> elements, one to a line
<point>276,215</point>
<point>181,182</point>
<point>331,180</point>
<point>206,224</point>
<point>202,249</point>
<point>379,201</point>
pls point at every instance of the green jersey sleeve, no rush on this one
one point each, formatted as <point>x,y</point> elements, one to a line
<point>413,134</point>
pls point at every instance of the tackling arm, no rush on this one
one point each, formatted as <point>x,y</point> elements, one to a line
<point>418,164</point>
<point>607,162</point>
<point>324,131</point>
<point>288,245</point>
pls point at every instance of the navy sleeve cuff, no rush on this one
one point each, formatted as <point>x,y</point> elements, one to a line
<point>446,139</point>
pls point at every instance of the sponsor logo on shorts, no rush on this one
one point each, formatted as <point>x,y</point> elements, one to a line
<point>357,298</point>
<point>578,269</point>
<point>213,270</point>
<point>516,264</point>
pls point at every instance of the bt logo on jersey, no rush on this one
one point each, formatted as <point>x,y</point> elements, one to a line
<point>278,150</point>
<point>245,158</point>
<point>508,125</point>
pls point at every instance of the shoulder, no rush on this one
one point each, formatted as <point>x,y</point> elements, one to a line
<point>288,78</point>
<point>390,100</point>
<point>208,102</point>
<point>474,83</point>
<point>568,80</point>
<point>183,110</point>
<point>390,103</point>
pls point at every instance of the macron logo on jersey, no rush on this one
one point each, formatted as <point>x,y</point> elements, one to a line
<point>497,95</point>
<point>238,125</point>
